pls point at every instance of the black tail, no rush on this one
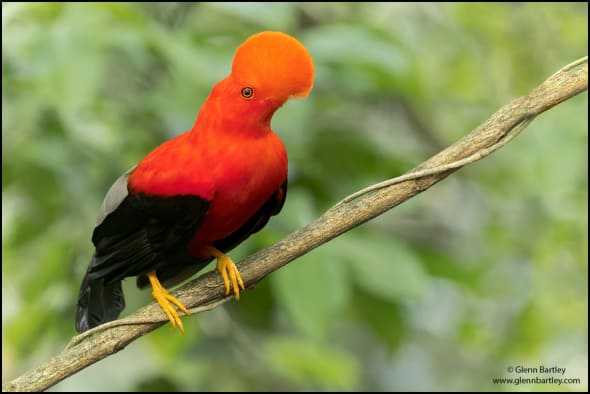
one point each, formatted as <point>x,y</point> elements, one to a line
<point>98,303</point>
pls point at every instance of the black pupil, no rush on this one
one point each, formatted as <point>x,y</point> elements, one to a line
<point>247,92</point>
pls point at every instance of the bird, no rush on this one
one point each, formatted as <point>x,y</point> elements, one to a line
<point>200,194</point>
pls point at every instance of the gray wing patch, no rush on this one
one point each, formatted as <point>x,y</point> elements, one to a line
<point>114,197</point>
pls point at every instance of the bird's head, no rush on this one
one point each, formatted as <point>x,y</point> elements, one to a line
<point>268,68</point>
<point>273,65</point>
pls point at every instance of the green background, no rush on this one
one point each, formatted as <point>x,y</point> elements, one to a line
<point>486,270</point>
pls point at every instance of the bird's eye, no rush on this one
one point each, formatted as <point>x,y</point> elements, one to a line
<point>247,92</point>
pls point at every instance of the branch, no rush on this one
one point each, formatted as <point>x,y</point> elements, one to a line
<point>207,291</point>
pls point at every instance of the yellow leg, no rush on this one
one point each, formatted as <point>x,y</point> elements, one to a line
<point>164,299</point>
<point>228,271</point>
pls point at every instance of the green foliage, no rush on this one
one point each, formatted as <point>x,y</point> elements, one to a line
<point>486,270</point>
<point>311,366</point>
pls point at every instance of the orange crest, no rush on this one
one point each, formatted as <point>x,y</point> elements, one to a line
<point>275,64</point>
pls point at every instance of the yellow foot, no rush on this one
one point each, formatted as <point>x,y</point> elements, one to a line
<point>228,270</point>
<point>164,298</point>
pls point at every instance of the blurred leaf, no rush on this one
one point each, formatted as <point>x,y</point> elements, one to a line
<point>384,267</point>
<point>384,318</point>
<point>372,62</point>
<point>161,384</point>
<point>312,291</point>
<point>256,309</point>
<point>311,365</point>
<point>271,16</point>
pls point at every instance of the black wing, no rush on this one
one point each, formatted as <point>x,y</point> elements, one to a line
<point>135,233</point>
<point>182,267</point>
<point>143,233</point>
